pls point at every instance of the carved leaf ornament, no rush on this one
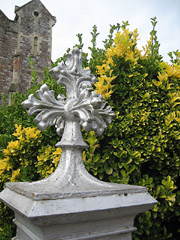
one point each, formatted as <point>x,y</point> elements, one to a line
<point>81,105</point>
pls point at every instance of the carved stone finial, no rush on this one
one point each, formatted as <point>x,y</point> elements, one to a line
<point>82,103</point>
<point>81,107</point>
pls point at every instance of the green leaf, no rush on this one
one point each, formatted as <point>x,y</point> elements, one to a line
<point>108,170</point>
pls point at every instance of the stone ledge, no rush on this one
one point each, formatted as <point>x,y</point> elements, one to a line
<point>37,190</point>
<point>140,201</point>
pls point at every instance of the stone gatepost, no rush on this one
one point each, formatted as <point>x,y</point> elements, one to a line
<point>72,204</point>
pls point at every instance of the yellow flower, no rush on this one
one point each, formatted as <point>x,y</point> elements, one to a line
<point>162,65</point>
<point>18,131</point>
<point>135,35</point>
<point>129,56</point>
<point>170,69</point>
<point>110,52</point>
<point>163,76</point>
<point>86,68</point>
<point>48,172</point>
<point>21,138</point>
<point>124,42</point>
<point>120,49</point>
<point>41,159</point>
<point>13,145</point>
<point>177,73</point>
<point>58,151</point>
<point>32,133</point>
<point>108,94</point>
<point>48,150</point>
<point>15,174</point>
<point>56,160</point>
<point>84,156</point>
<point>3,165</point>
<point>103,86</point>
<point>56,156</point>
<point>110,61</point>
<point>100,70</point>
<point>122,37</point>
<point>12,148</point>
<point>178,54</point>
<point>6,152</point>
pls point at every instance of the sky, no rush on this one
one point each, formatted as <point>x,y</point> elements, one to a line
<point>79,16</point>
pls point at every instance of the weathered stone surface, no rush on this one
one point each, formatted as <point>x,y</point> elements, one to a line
<point>101,215</point>
<point>30,34</point>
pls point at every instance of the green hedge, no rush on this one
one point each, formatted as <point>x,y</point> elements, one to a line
<point>142,145</point>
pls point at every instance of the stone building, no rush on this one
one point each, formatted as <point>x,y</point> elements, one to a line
<point>29,34</point>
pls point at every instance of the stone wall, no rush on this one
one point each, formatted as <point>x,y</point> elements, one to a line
<point>30,34</point>
<point>8,43</point>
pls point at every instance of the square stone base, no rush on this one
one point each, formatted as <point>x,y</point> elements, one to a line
<point>77,218</point>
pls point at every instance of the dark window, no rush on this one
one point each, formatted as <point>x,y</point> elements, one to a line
<point>35,45</point>
<point>36,13</point>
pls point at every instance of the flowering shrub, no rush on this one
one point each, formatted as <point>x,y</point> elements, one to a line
<point>20,154</point>
<point>24,159</point>
<point>47,160</point>
<point>142,144</point>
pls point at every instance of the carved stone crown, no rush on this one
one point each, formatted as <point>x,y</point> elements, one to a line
<point>82,104</point>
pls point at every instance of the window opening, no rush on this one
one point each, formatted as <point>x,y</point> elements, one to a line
<point>35,45</point>
<point>36,13</point>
